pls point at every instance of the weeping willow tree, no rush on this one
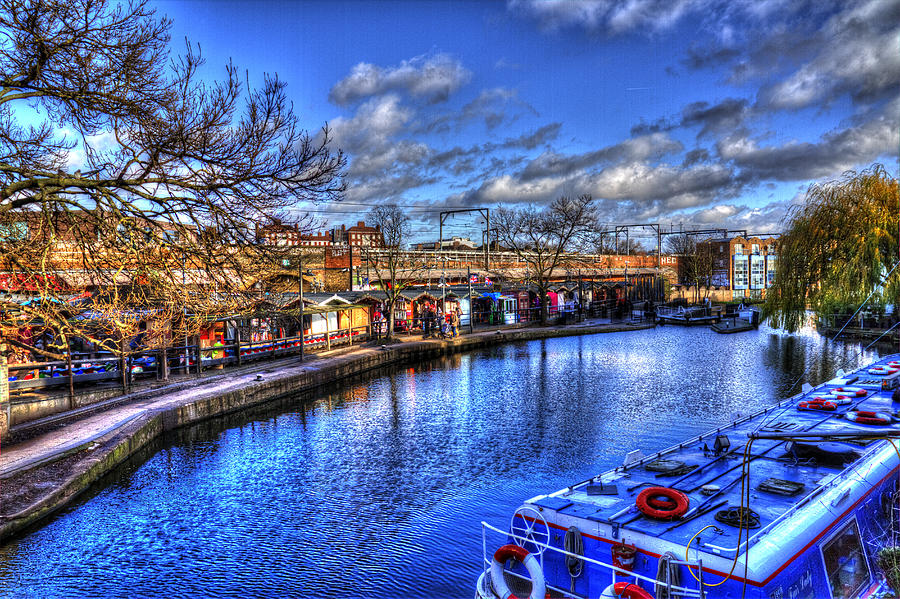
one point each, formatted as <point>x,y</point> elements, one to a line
<point>838,247</point>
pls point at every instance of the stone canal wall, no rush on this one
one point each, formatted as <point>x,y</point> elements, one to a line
<point>46,481</point>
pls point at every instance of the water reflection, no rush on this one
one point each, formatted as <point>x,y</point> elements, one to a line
<point>376,489</point>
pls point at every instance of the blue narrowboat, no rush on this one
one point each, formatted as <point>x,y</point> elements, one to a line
<point>797,501</point>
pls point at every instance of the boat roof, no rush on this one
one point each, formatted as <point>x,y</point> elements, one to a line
<point>610,498</point>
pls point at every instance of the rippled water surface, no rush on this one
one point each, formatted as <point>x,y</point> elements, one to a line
<point>377,489</point>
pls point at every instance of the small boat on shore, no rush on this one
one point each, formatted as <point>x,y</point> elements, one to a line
<point>796,501</point>
<point>688,315</point>
<point>744,319</point>
<point>732,325</point>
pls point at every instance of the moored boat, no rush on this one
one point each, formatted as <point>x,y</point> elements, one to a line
<point>690,315</point>
<point>797,501</point>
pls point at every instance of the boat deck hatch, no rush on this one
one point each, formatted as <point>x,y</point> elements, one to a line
<point>780,486</point>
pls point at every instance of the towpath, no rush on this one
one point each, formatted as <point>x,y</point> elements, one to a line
<point>62,455</point>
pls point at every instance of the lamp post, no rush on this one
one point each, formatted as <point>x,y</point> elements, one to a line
<point>300,285</point>
<point>471,312</point>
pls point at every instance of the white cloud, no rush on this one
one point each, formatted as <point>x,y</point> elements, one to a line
<point>392,156</point>
<point>676,187</point>
<point>374,123</point>
<point>636,149</point>
<point>865,66</point>
<point>837,151</point>
<point>607,16</point>
<point>433,78</point>
<point>631,189</point>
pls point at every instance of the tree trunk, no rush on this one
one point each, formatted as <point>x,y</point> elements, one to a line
<point>123,366</point>
<point>70,376</point>
<point>4,391</point>
<point>390,321</point>
<point>164,364</point>
<point>544,307</point>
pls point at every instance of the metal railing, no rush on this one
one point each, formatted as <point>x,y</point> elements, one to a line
<point>556,315</point>
<point>99,366</point>
<point>673,590</point>
<point>187,358</point>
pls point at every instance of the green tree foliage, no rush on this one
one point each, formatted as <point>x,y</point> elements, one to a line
<point>838,247</point>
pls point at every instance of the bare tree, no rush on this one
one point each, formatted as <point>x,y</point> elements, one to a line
<point>395,268</point>
<point>542,238</point>
<point>606,244</point>
<point>120,169</point>
<point>695,262</point>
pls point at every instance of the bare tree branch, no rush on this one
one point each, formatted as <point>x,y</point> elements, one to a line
<point>121,170</point>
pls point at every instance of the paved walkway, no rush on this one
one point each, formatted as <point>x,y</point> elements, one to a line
<point>77,434</point>
<point>73,436</point>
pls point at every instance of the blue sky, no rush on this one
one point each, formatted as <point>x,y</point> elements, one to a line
<point>695,112</point>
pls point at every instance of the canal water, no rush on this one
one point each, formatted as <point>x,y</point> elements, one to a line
<point>377,489</point>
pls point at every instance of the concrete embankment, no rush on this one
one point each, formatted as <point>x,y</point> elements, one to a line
<point>43,474</point>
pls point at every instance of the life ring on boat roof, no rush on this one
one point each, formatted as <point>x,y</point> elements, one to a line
<point>850,391</point>
<point>520,554</point>
<point>883,370</point>
<point>818,404</point>
<point>837,399</point>
<point>867,417</point>
<point>626,590</point>
<point>651,503</point>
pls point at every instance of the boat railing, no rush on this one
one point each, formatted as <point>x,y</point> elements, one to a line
<point>673,590</point>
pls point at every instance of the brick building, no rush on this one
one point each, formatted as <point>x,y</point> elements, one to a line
<point>358,235</point>
<point>291,235</point>
<point>743,267</point>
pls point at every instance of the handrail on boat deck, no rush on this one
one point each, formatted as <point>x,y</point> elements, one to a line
<point>682,591</point>
<point>695,439</point>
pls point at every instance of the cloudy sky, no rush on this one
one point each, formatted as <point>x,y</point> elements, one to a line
<point>679,112</point>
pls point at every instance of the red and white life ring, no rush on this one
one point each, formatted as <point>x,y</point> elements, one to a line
<point>520,554</point>
<point>850,391</point>
<point>819,404</point>
<point>867,417</point>
<point>836,398</point>
<point>883,370</point>
<point>626,590</point>
<point>662,503</point>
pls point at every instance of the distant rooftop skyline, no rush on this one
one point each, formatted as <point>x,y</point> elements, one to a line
<point>707,113</point>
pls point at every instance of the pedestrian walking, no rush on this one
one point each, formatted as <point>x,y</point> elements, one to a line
<point>454,324</point>
<point>427,322</point>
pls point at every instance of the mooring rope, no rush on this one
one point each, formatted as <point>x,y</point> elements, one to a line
<point>574,543</point>
<point>668,575</point>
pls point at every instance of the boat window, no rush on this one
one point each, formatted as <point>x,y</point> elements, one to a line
<point>845,563</point>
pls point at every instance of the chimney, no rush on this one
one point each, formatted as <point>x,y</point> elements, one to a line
<point>361,224</point>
